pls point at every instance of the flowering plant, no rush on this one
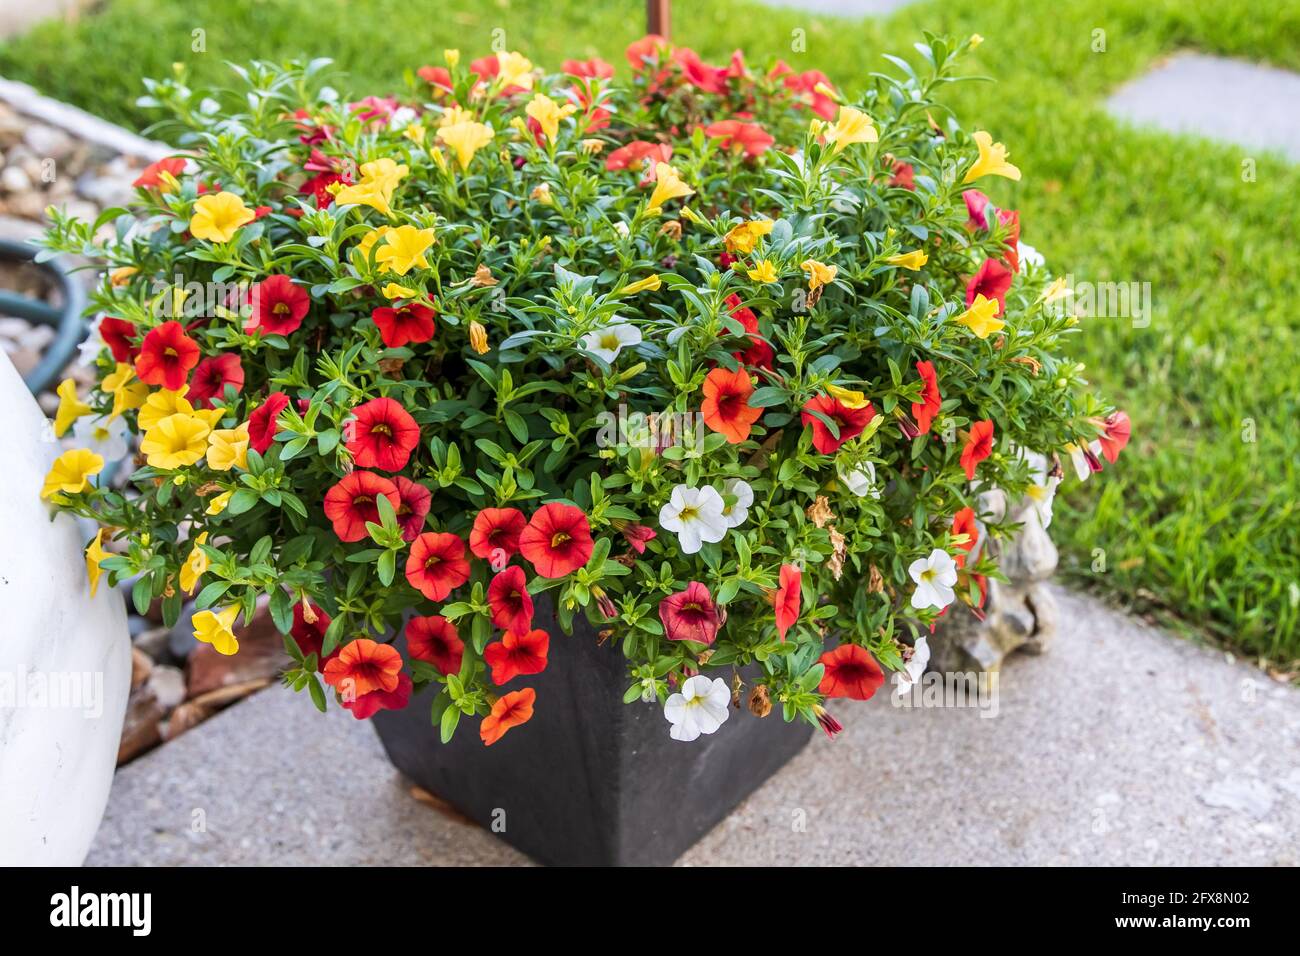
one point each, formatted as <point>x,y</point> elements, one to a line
<point>719,359</point>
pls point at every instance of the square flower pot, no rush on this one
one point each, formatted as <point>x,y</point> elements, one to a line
<point>590,780</point>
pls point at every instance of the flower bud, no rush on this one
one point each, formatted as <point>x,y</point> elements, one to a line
<point>478,337</point>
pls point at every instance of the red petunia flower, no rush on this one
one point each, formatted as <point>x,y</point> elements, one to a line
<point>991,281</point>
<point>367,705</point>
<point>262,424</point>
<point>963,522</point>
<point>851,672</point>
<point>436,76</point>
<point>414,507</point>
<point>976,204</point>
<point>646,48</point>
<point>118,335</point>
<point>166,356</point>
<point>319,186</point>
<point>789,596</point>
<point>750,137</point>
<point>212,375</point>
<point>410,324</point>
<point>495,535</point>
<point>437,564</point>
<point>557,540</point>
<point>931,401</point>
<point>433,639</point>
<point>279,306</point>
<point>978,447</point>
<point>151,176</point>
<point>517,654</point>
<point>509,711</point>
<point>383,435</point>
<point>310,635</point>
<point>639,154</point>
<point>1115,435</point>
<point>593,68</point>
<point>690,615</point>
<point>726,407</point>
<point>351,503</point>
<point>637,535</point>
<point>805,85</point>
<point>850,421</point>
<point>363,666</point>
<point>759,354</point>
<point>511,604</point>
<point>902,175</point>
<point>1011,219</point>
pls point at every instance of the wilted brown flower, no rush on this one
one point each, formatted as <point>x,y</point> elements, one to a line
<point>760,704</point>
<point>483,276</point>
<point>875,582</point>
<point>672,229</point>
<point>819,512</point>
<point>836,561</point>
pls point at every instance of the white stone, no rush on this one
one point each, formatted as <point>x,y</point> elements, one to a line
<point>57,749</point>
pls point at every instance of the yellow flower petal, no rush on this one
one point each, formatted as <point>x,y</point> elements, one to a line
<point>404,249</point>
<point>763,271</point>
<point>217,629</point>
<point>465,138</point>
<point>228,448</point>
<point>741,239</point>
<point>548,114</point>
<point>218,217</point>
<point>128,392</point>
<point>648,284</point>
<point>71,472</point>
<point>992,160</point>
<point>668,185</point>
<point>819,273</point>
<point>909,260</point>
<point>848,397</point>
<point>195,566</point>
<point>94,554</point>
<point>175,441</point>
<point>70,407</point>
<point>218,504</point>
<point>852,126</point>
<point>981,317</point>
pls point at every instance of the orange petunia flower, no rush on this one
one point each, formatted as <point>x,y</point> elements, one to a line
<point>511,710</point>
<point>726,407</point>
<point>362,667</point>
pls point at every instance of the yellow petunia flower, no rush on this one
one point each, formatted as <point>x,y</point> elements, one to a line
<point>218,217</point>
<point>195,566</point>
<point>763,271</point>
<point>741,239</point>
<point>395,291</point>
<point>975,40</point>
<point>368,241</point>
<point>648,284</point>
<point>94,554</point>
<point>478,337</point>
<point>454,114</point>
<point>465,139</point>
<point>548,114</point>
<point>218,629</point>
<point>1059,289</point>
<point>981,318</point>
<point>403,249</point>
<point>852,126</point>
<point>379,178</point>
<point>819,273</point>
<point>451,57</point>
<point>992,160</point>
<point>909,260</point>
<point>668,185</point>
<point>218,504</point>
<point>70,407</point>
<point>515,69</point>
<point>848,397</point>
<point>128,392</point>
<point>71,472</point>
<point>228,448</point>
<point>175,441</point>
<point>121,276</point>
<point>415,133</point>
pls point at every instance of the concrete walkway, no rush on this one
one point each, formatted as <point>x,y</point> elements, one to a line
<point>1123,745</point>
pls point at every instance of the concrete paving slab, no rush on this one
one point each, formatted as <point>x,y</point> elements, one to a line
<point>1228,100</point>
<point>1122,745</point>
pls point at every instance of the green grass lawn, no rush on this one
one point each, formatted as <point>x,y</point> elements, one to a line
<point>1196,524</point>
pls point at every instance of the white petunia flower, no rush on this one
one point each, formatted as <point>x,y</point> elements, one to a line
<point>861,480</point>
<point>1043,490</point>
<point>913,669</point>
<point>701,707</point>
<point>695,515</point>
<point>605,343</point>
<point>736,514</point>
<point>1029,255</point>
<point>934,577</point>
<point>103,436</point>
<point>1079,458</point>
<point>92,345</point>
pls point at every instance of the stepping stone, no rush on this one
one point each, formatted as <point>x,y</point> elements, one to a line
<point>841,8</point>
<point>1120,746</point>
<point>1221,99</point>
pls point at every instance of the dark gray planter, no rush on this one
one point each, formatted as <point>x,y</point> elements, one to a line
<point>591,780</point>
